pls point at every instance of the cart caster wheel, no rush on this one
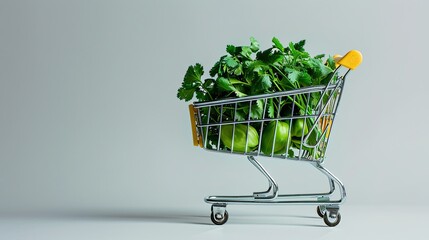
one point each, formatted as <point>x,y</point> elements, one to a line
<point>218,218</point>
<point>321,211</point>
<point>331,220</point>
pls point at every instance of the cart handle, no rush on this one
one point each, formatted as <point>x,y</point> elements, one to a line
<point>196,139</point>
<point>351,60</point>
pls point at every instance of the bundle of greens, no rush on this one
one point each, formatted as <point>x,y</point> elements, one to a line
<point>247,70</point>
<point>240,73</point>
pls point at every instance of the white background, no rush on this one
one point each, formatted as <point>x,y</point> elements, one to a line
<point>90,122</point>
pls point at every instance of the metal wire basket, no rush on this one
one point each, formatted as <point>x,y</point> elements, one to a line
<point>292,125</point>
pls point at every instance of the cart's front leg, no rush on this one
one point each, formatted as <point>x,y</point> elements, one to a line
<point>332,179</point>
<point>272,191</point>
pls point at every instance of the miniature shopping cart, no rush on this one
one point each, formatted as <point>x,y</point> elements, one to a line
<point>218,125</point>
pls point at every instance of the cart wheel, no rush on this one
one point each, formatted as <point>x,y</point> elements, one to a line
<point>321,211</point>
<point>218,218</point>
<point>330,220</point>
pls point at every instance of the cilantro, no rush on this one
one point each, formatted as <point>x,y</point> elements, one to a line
<point>254,45</point>
<point>248,70</point>
<point>278,44</point>
<point>191,83</point>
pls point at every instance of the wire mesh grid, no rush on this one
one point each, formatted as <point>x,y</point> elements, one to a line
<point>294,124</point>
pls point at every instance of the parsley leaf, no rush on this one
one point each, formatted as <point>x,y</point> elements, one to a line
<point>278,44</point>
<point>191,82</point>
<point>254,45</point>
<point>257,109</point>
<point>185,94</point>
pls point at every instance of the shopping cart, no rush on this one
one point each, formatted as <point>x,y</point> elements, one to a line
<point>219,125</point>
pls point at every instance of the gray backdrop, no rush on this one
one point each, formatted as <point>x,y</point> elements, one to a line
<point>89,117</point>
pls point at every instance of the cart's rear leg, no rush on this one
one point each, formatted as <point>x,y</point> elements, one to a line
<point>272,191</point>
<point>330,212</point>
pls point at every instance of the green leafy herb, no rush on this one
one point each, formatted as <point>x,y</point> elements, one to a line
<point>191,83</point>
<point>248,70</point>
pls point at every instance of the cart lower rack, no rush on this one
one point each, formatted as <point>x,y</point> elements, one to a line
<point>293,125</point>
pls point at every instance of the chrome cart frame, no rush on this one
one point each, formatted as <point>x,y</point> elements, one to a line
<point>208,119</point>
